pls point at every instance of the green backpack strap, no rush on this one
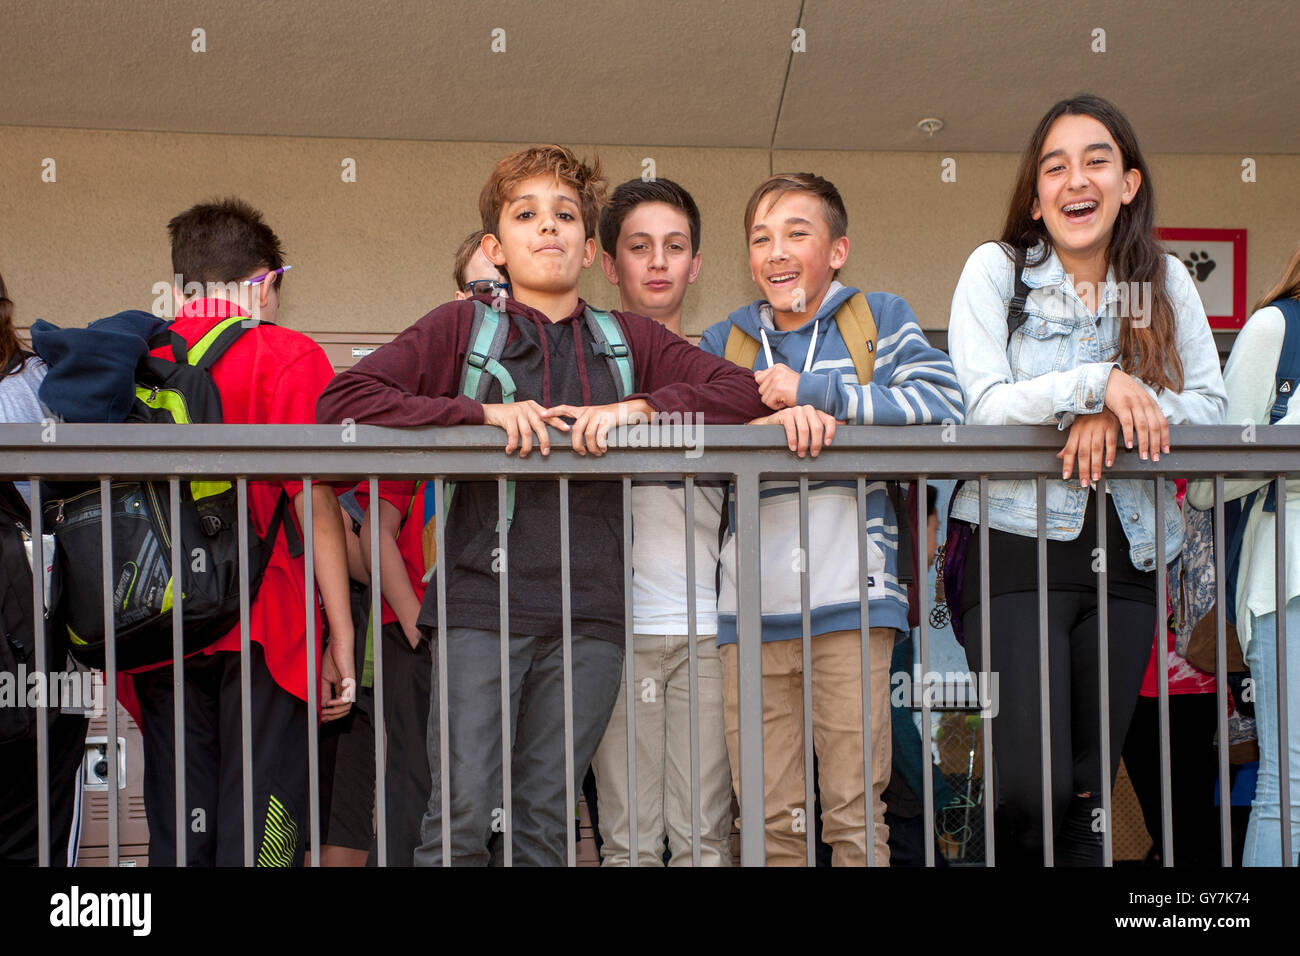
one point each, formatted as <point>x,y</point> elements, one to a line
<point>610,345</point>
<point>218,339</point>
<point>487,340</point>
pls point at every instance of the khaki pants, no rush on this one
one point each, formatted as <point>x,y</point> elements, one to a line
<point>661,683</point>
<point>837,738</point>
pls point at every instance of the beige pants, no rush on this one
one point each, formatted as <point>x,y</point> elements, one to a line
<point>661,684</point>
<point>837,738</point>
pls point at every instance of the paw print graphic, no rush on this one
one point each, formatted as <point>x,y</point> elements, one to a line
<point>1200,265</point>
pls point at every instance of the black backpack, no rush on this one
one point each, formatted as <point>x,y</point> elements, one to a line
<point>142,579</point>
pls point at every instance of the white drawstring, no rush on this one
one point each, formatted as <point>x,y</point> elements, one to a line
<point>812,347</point>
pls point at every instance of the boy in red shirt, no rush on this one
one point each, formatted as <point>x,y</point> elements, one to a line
<point>270,375</point>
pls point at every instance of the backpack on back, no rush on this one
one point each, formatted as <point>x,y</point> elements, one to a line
<point>487,341</point>
<point>142,579</point>
<point>858,330</point>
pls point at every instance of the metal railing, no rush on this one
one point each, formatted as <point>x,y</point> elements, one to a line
<point>744,455</point>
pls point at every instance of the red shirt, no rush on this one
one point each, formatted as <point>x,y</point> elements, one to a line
<point>270,376</point>
<point>410,539</point>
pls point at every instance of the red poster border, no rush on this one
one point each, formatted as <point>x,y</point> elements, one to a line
<point>1238,239</point>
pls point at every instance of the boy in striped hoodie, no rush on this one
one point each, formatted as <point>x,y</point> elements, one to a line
<point>795,226</point>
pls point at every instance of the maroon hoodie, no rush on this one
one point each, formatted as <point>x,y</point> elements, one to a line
<point>415,380</point>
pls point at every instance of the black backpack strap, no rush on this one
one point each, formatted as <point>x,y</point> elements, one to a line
<point>280,520</point>
<point>12,504</point>
<point>169,339</point>
<point>1016,307</point>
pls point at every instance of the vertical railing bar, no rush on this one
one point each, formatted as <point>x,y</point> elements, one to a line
<point>1162,680</point>
<point>313,677</point>
<point>921,572</point>
<point>245,673</point>
<point>629,662</point>
<point>444,732</point>
<point>693,670</point>
<point>44,824</point>
<point>864,638</point>
<point>566,621</point>
<point>805,612</point>
<point>178,668</point>
<point>110,663</point>
<point>986,673</point>
<point>313,687</point>
<point>1044,701</point>
<point>507,749</point>
<point>1221,676</point>
<point>377,669</point>
<point>1283,756</point>
<point>1103,670</point>
<point>749,663</point>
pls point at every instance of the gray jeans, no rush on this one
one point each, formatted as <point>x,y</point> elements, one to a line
<point>538,813</point>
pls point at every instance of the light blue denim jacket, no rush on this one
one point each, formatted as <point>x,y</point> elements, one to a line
<point>1056,368</point>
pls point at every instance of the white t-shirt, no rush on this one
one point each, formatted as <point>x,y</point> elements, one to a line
<point>659,557</point>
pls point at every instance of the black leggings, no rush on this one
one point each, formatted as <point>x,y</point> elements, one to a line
<point>1074,713</point>
<point>1194,770</point>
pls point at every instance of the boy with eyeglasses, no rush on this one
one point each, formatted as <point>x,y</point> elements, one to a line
<point>270,375</point>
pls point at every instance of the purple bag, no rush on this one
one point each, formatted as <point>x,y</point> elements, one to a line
<point>954,571</point>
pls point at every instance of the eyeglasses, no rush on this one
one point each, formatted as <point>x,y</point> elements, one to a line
<point>486,287</point>
<point>269,275</point>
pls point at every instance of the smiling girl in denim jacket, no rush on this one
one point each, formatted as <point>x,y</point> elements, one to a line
<point>1114,341</point>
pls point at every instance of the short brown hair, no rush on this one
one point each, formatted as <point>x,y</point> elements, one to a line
<point>587,181</point>
<point>223,241</point>
<point>837,219</point>
<point>463,255</point>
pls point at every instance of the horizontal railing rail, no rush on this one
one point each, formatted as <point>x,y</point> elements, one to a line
<point>55,452</point>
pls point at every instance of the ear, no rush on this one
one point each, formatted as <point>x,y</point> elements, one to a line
<point>588,252</point>
<point>1132,183</point>
<point>695,269</point>
<point>491,247</point>
<point>839,252</point>
<point>264,293</point>
<point>607,267</point>
<point>1036,209</point>
<point>459,295</point>
<point>179,296</point>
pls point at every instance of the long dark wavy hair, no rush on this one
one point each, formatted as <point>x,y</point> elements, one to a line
<point>9,344</point>
<point>1147,350</point>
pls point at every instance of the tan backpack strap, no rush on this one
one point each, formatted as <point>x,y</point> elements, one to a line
<point>742,348</point>
<point>858,330</point>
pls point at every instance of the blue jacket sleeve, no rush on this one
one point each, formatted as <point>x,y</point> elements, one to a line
<point>914,383</point>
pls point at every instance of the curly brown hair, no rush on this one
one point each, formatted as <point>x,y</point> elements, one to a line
<point>587,181</point>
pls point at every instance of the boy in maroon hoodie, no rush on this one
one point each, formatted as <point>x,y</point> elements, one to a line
<point>539,211</point>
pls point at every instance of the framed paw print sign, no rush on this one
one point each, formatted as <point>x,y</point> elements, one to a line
<point>1216,261</point>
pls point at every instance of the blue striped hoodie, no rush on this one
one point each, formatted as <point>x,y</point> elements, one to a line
<point>913,384</point>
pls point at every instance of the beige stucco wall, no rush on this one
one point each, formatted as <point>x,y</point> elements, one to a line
<point>374,255</point>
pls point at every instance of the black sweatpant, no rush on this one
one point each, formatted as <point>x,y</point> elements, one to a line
<point>18,809</point>
<point>1193,768</point>
<point>1075,724</point>
<point>407,675</point>
<point>214,768</point>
